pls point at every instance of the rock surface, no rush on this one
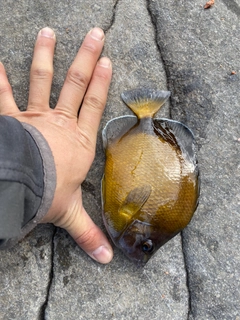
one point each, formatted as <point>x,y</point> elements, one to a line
<point>166,44</point>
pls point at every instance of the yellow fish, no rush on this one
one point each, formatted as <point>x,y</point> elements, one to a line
<point>150,186</point>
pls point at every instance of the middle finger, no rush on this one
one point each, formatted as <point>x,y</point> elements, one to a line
<point>80,73</point>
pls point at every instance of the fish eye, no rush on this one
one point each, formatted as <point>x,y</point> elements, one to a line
<point>147,246</point>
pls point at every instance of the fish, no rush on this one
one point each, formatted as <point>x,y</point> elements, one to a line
<point>151,185</point>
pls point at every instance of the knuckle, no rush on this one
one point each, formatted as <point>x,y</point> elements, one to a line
<point>102,74</point>
<point>5,88</point>
<point>77,78</point>
<point>41,73</point>
<point>94,102</point>
<point>87,143</point>
<point>87,238</point>
<point>90,47</point>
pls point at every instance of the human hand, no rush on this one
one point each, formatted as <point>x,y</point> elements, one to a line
<point>70,134</point>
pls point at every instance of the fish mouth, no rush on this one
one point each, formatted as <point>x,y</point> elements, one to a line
<point>131,241</point>
<point>139,264</point>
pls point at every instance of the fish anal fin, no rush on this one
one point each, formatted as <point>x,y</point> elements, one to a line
<point>135,201</point>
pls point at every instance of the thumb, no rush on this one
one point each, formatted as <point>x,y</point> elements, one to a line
<point>88,236</point>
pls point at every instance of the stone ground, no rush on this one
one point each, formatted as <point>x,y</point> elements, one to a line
<point>173,44</point>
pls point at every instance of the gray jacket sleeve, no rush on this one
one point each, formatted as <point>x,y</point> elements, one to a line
<point>27,179</point>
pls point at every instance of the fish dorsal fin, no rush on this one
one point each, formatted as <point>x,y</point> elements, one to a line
<point>116,128</point>
<point>145,102</point>
<point>182,134</point>
<point>135,200</point>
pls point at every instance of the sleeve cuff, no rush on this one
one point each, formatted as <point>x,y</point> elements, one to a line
<point>49,181</point>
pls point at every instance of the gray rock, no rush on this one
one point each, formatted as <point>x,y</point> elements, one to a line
<point>24,276</point>
<point>84,289</point>
<point>166,44</point>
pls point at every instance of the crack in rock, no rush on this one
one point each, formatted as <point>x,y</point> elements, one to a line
<point>154,23</point>
<point>51,276</point>
<point>187,277</point>
<point>112,19</point>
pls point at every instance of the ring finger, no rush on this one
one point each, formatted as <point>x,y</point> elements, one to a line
<point>41,71</point>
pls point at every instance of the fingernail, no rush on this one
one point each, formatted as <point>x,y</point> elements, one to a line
<point>102,254</point>
<point>97,34</point>
<point>47,32</point>
<point>104,62</point>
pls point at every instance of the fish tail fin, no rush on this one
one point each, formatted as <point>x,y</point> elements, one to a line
<point>145,102</point>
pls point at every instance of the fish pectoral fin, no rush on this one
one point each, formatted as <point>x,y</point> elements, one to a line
<point>135,200</point>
